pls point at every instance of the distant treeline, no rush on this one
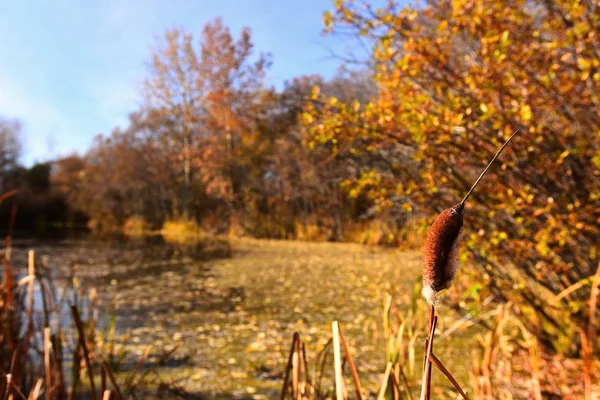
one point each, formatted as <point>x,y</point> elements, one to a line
<point>213,144</point>
<point>242,171</point>
<point>36,207</point>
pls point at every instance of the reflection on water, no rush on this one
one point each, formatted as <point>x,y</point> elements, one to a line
<point>130,271</point>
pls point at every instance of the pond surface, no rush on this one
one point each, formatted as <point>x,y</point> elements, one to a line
<point>234,305</point>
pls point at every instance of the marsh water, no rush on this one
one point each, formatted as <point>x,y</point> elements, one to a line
<point>234,304</point>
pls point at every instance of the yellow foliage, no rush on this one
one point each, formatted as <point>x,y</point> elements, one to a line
<point>309,231</point>
<point>181,231</point>
<point>452,86</point>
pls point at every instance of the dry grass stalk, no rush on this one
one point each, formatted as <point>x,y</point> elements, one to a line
<point>301,383</point>
<point>492,375</point>
<point>385,381</point>
<point>396,385</point>
<point>411,355</point>
<point>129,384</point>
<point>31,276</point>
<point>35,393</point>
<point>308,388</point>
<point>486,365</point>
<point>536,385</point>
<point>112,379</point>
<point>8,194</point>
<point>352,366</point>
<point>84,347</point>
<point>288,368</point>
<point>435,361</point>
<point>106,395</point>
<point>337,361</point>
<point>18,390</point>
<point>161,359</point>
<point>48,366</point>
<point>430,326</point>
<point>296,371</point>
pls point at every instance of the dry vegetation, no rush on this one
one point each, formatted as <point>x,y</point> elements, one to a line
<point>371,156</point>
<point>232,320</point>
<point>67,346</point>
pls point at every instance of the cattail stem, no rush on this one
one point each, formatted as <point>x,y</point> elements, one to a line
<point>462,203</point>
<point>426,384</point>
<point>430,324</point>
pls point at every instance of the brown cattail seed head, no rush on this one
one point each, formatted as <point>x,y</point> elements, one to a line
<point>440,252</point>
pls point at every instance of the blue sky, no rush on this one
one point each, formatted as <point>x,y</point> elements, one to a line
<point>70,69</point>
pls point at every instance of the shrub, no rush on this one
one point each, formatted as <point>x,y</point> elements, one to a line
<point>181,231</point>
<point>136,225</point>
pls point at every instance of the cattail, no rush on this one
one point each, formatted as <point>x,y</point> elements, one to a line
<point>441,246</point>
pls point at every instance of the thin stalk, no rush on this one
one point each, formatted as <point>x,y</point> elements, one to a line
<point>435,361</point>
<point>35,393</point>
<point>19,392</point>
<point>129,384</point>
<point>47,347</point>
<point>296,371</point>
<point>162,359</point>
<point>430,324</point>
<point>8,194</point>
<point>384,383</point>
<point>31,276</point>
<point>462,203</point>
<point>426,385</point>
<point>289,366</point>
<point>352,367</point>
<point>337,361</point>
<point>115,385</point>
<point>397,386</point>
<point>307,380</point>
<point>406,383</point>
<point>321,361</point>
<point>86,353</point>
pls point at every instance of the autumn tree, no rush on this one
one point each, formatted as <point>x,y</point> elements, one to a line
<point>293,189</point>
<point>455,78</point>
<point>201,99</point>
<point>236,101</point>
<point>173,98</point>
